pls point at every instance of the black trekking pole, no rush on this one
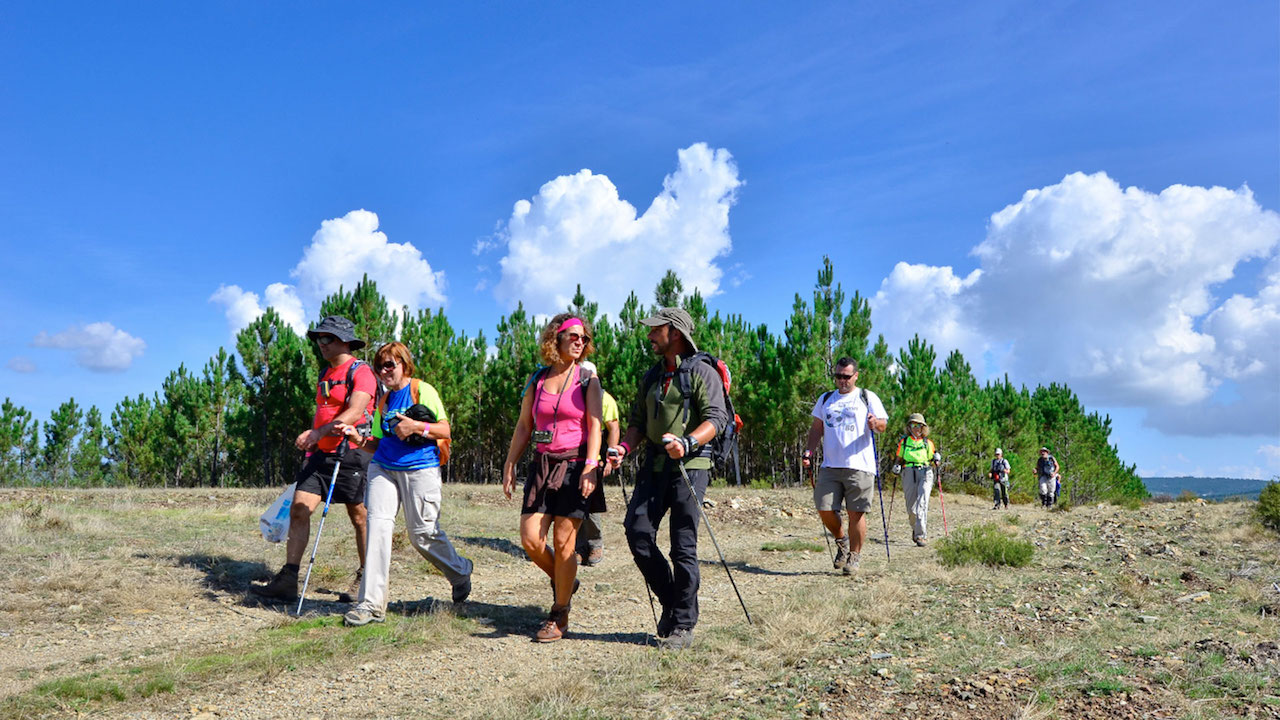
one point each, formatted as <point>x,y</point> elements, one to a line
<point>337,463</point>
<point>626,503</point>
<point>694,495</point>
<point>875,451</point>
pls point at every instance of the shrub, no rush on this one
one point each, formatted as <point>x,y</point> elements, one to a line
<point>1018,497</point>
<point>1128,503</point>
<point>984,544</point>
<point>1268,508</point>
<point>761,484</point>
<point>1187,496</point>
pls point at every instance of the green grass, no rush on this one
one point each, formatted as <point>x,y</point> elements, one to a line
<point>984,544</point>
<point>791,546</point>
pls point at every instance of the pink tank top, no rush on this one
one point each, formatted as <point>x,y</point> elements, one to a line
<point>566,416</point>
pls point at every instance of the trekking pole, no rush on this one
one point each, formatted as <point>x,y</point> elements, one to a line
<point>875,451</point>
<point>941,504</point>
<point>694,495</point>
<point>626,503</point>
<point>337,463</point>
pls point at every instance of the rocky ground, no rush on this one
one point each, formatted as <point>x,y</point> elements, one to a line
<point>138,604</point>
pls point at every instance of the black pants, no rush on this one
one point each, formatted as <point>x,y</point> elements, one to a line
<point>658,492</point>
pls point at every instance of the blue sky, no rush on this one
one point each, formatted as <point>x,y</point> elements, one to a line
<point>155,153</point>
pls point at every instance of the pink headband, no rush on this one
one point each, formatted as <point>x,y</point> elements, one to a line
<point>571,322</point>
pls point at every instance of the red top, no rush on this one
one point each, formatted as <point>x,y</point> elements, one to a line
<point>331,398</point>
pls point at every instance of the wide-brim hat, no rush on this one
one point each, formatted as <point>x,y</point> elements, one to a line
<point>339,327</point>
<point>916,418</point>
<point>1044,449</point>
<point>676,318</point>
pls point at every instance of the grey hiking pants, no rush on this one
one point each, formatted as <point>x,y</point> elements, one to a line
<point>420,492</point>
<point>591,533</point>
<point>917,484</point>
<point>1000,491</point>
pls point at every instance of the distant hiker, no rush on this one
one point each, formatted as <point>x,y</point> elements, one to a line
<point>916,455</point>
<point>344,396</point>
<point>560,413</point>
<point>1047,476</point>
<point>1000,480</point>
<point>408,426</point>
<point>591,534</point>
<point>844,420</point>
<point>679,410</point>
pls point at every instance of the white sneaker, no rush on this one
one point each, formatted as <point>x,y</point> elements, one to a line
<point>358,616</point>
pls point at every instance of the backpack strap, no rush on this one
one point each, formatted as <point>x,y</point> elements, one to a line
<point>827,396</point>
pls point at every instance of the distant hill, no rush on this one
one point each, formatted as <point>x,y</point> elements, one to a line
<point>1209,488</point>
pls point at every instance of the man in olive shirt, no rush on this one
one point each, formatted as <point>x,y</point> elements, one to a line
<point>679,410</point>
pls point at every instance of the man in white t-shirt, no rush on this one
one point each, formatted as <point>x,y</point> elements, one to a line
<point>844,420</point>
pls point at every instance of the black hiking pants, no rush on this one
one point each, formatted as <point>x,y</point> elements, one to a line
<point>657,493</point>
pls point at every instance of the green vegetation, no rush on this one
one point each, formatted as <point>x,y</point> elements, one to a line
<point>233,422</point>
<point>791,546</point>
<point>984,544</point>
<point>1268,508</point>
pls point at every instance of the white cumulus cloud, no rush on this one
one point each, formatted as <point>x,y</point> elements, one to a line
<point>578,230</point>
<point>340,254</point>
<point>1111,289</point>
<point>100,346</point>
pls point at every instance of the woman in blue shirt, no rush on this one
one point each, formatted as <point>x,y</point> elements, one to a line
<point>405,470</point>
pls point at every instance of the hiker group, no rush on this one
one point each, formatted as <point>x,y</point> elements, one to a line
<point>379,436</point>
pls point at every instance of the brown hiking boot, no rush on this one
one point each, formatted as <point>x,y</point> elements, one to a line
<point>352,593</point>
<point>555,626</point>
<point>842,553</point>
<point>283,586</point>
<point>851,565</point>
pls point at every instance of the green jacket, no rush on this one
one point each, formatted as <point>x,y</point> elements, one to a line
<point>656,412</point>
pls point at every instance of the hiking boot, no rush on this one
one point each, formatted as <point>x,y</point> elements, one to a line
<point>851,567</point>
<point>920,542</point>
<point>996,506</point>
<point>842,553</point>
<point>283,586</point>
<point>592,558</point>
<point>555,626</point>
<point>361,615</point>
<point>679,639</point>
<point>462,591</point>
<point>352,593</point>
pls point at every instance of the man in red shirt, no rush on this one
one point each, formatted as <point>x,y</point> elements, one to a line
<point>344,396</point>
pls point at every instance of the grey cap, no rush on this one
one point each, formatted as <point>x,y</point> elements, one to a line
<point>339,327</point>
<point>999,451</point>
<point>1044,449</point>
<point>916,418</point>
<point>676,318</point>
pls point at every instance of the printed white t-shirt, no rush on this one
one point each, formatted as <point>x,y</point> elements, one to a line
<point>846,441</point>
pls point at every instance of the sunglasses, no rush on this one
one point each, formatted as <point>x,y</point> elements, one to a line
<point>388,365</point>
<point>576,337</point>
<point>838,376</point>
<point>325,339</point>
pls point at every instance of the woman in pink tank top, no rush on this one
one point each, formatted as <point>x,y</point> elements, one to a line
<point>560,414</point>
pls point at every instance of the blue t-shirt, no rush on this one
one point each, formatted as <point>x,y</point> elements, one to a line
<point>393,453</point>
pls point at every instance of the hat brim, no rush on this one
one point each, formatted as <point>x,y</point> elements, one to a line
<point>655,321</point>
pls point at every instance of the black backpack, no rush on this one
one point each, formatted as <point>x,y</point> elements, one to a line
<point>725,445</point>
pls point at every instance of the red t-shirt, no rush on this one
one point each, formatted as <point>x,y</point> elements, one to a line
<point>331,398</point>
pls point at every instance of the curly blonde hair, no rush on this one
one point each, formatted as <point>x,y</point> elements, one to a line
<point>549,340</point>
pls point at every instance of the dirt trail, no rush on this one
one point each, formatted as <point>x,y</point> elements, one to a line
<point>1098,572</point>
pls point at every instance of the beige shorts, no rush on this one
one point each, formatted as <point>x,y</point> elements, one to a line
<point>841,486</point>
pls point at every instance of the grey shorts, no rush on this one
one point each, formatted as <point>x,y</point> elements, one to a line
<point>852,488</point>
